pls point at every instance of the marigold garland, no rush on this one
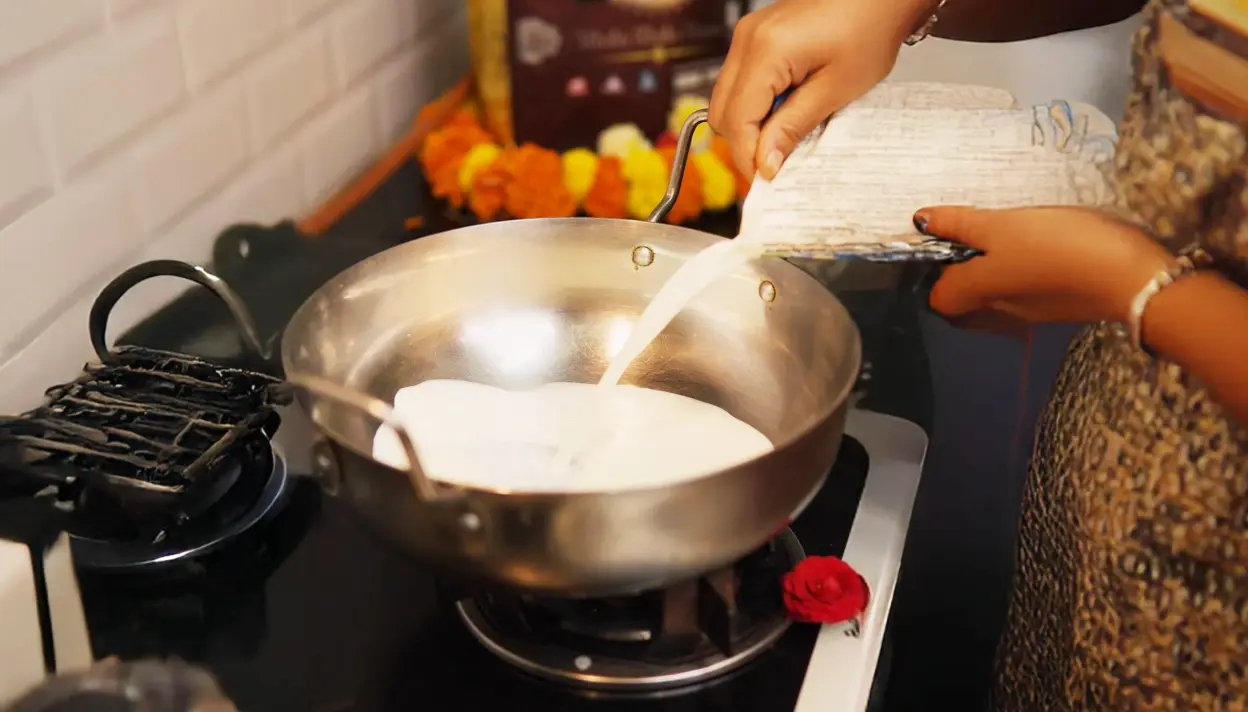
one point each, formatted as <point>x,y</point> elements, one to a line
<point>626,177</point>
<point>682,107</point>
<point>580,167</point>
<point>688,205</point>
<point>478,157</point>
<point>538,191</point>
<point>718,182</point>
<point>489,187</point>
<point>451,143</point>
<point>608,196</point>
<point>444,151</point>
<point>720,147</point>
<point>646,173</point>
<point>620,140</point>
<point>444,183</point>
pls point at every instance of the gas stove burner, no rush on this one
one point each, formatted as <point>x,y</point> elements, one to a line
<point>655,643</point>
<point>252,500</point>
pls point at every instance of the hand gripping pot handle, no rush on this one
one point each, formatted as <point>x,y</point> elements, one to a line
<point>684,142</point>
<point>315,386</point>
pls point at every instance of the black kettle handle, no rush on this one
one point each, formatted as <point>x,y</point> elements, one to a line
<point>108,297</point>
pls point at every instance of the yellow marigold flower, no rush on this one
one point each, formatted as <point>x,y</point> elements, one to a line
<point>619,140</point>
<point>478,157</point>
<point>641,164</point>
<point>646,173</point>
<point>682,107</point>
<point>719,185</point>
<point>580,166</point>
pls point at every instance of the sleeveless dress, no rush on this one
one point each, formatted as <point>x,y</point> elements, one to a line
<point>1131,577</point>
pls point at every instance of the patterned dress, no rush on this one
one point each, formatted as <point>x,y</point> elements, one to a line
<point>1131,584</point>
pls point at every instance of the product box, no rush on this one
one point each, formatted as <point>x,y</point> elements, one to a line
<point>558,72</point>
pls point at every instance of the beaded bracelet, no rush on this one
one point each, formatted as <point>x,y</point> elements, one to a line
<point>1187,264</point>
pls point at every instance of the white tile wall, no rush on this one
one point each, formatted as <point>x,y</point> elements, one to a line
<point>139,129</point>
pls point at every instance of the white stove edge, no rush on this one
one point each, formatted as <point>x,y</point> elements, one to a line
<point>21,637</point>
<point>842,666</point>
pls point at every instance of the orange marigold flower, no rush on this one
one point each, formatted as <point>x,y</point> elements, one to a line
<point>721,148</point>
<point>444,183</point>
<point>688,205</point>
<point>608,195</point>
<point>449,145</point>
<point>538,190</point>
<point>489,187</point>
<point>441,155</point>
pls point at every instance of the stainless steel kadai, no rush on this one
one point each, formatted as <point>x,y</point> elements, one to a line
<point>525,302</point>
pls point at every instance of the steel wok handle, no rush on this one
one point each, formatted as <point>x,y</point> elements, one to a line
<point>112,292</point>
<point>379,410</point>
<point>684,142</point>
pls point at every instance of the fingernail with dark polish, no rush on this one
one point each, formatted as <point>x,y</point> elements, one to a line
<point>920,224</point>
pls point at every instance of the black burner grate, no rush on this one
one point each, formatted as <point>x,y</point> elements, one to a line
<point>688,621</point>
<point>152,435</point>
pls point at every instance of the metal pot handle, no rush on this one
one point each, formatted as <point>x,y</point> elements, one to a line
<point>316,386</point>
<point>108,297</point>
<point>379,410</point>
<point>684,142</point>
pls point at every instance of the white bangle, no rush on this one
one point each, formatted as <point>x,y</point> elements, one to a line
<point>926,28</point>
<point>1161,280</point>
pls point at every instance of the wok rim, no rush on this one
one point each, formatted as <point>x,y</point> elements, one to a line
<point>707,239</point>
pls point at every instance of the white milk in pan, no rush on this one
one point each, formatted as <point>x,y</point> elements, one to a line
<point>480,436</point>
<point>570,437</point>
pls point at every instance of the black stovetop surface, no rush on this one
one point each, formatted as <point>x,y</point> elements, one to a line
<point>314,614</point>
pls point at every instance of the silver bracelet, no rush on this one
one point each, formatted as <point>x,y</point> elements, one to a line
<point>926,29</point>
<point>1166,277</point>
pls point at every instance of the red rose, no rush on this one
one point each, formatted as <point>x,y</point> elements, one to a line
<point>667,139</point>
<point>824,589</point>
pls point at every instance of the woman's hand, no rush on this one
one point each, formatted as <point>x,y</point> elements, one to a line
<point>832,51</point>
<point>1041,265</point>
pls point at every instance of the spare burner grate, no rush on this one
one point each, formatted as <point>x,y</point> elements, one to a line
<point>153,437</point>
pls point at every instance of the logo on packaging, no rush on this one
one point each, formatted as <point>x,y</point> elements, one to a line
<point>536,40</point>
<point>578,86</point>
<point>613,85</point>
<point>647,81</point>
